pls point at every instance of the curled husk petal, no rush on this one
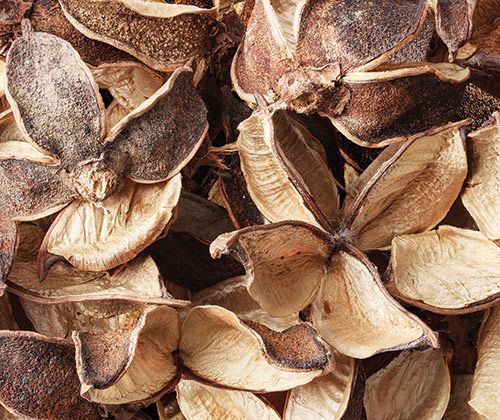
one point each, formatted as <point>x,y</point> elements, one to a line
<point>157,139</point>
<point>480,195</point>
<point>356,315</point>
<point>219,349</point>
<point>286,175</point>
<point>197,400</point>
<point>414,385</point>
<point>286,263</point>
<point>39,378</point>
<point>133,364</point>
<point>448,270</point>
<point>96,238</point>
<point>380,102</point>
<point>55,100</point>
<point>484,393</point>
<point>163,36</point>
<point>325,397</point>
<point>430,171</point>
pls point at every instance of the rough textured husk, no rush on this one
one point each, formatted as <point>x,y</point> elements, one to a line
<point>56,102</point>
<point>156,140</point>
<point>166,40</point>
<point>40,379</point>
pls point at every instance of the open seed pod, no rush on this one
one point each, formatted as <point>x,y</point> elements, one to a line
<point>484,393</point>
<point>414,385</point>
<point>219,349</point>
<point>149,146</point>
<point>313,66</point>
<point>132,364</point>
<point>8,242</point>
<point>198,400</point>
<point>39,378</point>
<point>389,197</point>
<point>163,36</point>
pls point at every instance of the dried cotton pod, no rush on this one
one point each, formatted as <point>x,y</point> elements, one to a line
<point>93,166</point>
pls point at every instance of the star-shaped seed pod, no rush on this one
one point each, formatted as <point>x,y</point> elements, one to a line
<point>455,270</point>
<point>313,252</point>
<point>118,188</point>
<point>314,64</point>
<point>164,36</point>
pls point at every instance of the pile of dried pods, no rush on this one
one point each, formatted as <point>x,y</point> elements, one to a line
<point>250,210</point>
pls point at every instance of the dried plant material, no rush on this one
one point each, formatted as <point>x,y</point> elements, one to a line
<point>454,22</point>
<point>39,378</point>
<point>485,393</point>
<point>53,121</point>
<point>231,191</point>
<point>482,50</point>
<point>13,11</point>
<point>22,150</point>
<point>325,397</point>
<point>92,167</point>
<point>47,16</point>
<point>480,195</point>
<point>146,136</point>
<point>197,401</point>
<point>114,114</point>
<point>303,191</point>
<point>163,36</point>
<point>232,294</point>
<point>201,218</point>
<point>133,365</point>
<point>431,170</point>
<point>249,356</point>
<point>325,28</point>
<point>29,190</point>
<point>8,244</point>
<point>130,83</point>
<point>137,281</point>
<point>366,119</point>
<point>448,270</point>
<point>415,385</point>
<point>98,238</point>
<point>352,311</point>
<point>7,321</point>
<point>458,408</point>
<point>279,257</point>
